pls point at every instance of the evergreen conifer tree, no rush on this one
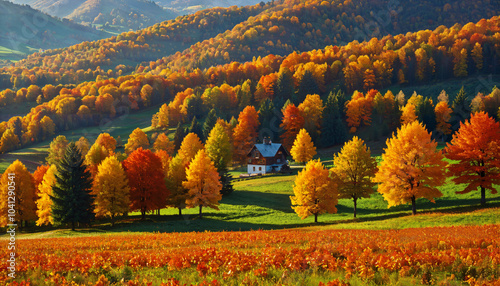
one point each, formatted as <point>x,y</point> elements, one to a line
<point>72,199</point>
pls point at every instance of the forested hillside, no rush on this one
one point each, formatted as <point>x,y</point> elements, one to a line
<point>25,30</point>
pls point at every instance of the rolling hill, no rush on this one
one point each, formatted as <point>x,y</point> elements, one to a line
<point>110,15</point>
<point>26,30</point>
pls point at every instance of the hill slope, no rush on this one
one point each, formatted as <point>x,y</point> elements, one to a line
<point>111,15</point>
<point>27,30</point>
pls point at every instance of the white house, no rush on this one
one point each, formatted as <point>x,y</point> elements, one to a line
<point>267,157</point>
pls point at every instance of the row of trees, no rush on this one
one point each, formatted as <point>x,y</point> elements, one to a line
<point>81,181</point>
<point>411,168</point>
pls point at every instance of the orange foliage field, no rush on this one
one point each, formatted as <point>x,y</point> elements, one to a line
<point>467,253</point>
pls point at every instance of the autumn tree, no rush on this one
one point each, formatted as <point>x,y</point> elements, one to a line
<point>314,191</point>
<point>245,134</point>
<point>219,150</point>
<point>83,146</point>
<point>146,180</point>
<point>202,183</point>
<point>137,139</point>
<point>312,109</point>
<point>175,176</point>
<point>303,148</point>
<point>57,149</point>
<point>72,201</point>
<point>163,143</point>
<point>409,114</point>
<point>17,182</point>
<point>160,120</point>
<point>111,189</point>
<point>190,147</point>
<point>107,141</point>
<point>411,167</point>
<point>443,116</point>
<point>9,141</point>
<point>44,201</point>
<point>292,123</point>
<point>475,149</point>
<point>354,168</point>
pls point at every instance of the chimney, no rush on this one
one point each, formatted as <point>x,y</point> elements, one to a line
<point>267,141</point>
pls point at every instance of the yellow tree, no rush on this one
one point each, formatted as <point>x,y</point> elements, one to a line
<point>94,157</point>
<point>190,147</point>
<point>175,176</point>
<point>83,146</point>
<point>411,167</point>
<point>312,109</point>
<point>111,189</point>
<point>409,114</point>
<point>218,147</point>
<point>56,149</point>
<point>443,116</point>
<point>315,192</point>
<point>17,183</point>
<point>44,202</point>
<point>354,168</point>
<point>160,120</point>
<point>136,140</point>
<point>163,143</point>
<point>203,183</point>
<point>303,148</point>
<point>475,148</point>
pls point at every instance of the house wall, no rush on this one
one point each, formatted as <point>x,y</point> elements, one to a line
<point>256,169</point>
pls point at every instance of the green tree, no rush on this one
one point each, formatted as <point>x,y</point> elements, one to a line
<point>195,128</point>
<point>209,123</point>
<point>306,86</point>
<point>333,129</point>
<point>72,199</point>
<point>179,135</point>
<point>460,109</point>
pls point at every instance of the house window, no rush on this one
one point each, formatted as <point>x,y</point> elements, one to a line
<point>278,160</point>
<point>254,169</point>
<point>260,168</point>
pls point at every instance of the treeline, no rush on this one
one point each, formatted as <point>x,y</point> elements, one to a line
<point>415,57</point>
<point>81,181</point>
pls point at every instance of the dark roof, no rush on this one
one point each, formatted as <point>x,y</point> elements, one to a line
<point>269,150</point>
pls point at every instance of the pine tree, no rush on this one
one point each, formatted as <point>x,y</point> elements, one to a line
<point>307,86</point>
<point>333,129</point>
<point>426,114</point>
<point>209,123</point>
<point>72,199</point>
<point>461,109</point>
<point>284,85</point>
<point>267,113</point>
<point>179,135</point>
<point>195,128</point>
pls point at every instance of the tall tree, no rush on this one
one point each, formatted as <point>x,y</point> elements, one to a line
<point>57,149</point>
<point>160,119</point>
<point>314,191</point>
<point>209,122</point>
<point>267,116</point>
<point>195,128</point>
<point>426,114</point>
<point>179,135</point>
<point>461,109</point>
<point>94,157</point>
<point>284,85</point>
<point>354,168</point>
<point>292,123</point>
<point>306,86</point>
<point>44,202</point>
<point>245,134</point>
<point>146,180</point>
<point>475,149</point>
<point>176,175</point>
<point>17,182</point>
<point>9,141</point>
<point>303,148</point>
<point>138,139</point>
<point>333,129</point>
<point>312,111</point>
<point>443,116</point>
<point>411,167</point>
<point>72,201</point>
<point>409,114</point>
<point>219,150</point>
<point>83,146</point>
<point>111,189</point>
<point>202,183</point>
<point>190,147</point>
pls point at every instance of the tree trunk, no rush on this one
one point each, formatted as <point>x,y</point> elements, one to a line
<point>355,205</point>
<point>180,212</point>
<point>316,217</point>
<point>413,206</point>
<point>112,220</point>
<point>483,196</point>
<point>143,213</point>
<point>73,225</point>
<point>200,211</point>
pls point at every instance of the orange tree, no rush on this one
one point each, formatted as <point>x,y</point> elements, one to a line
<point>315,192</point>
<point>476,150</point>
<point>146,180</point>
<point>411,167</point>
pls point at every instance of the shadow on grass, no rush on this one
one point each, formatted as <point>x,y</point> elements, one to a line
<point>278,202</point>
